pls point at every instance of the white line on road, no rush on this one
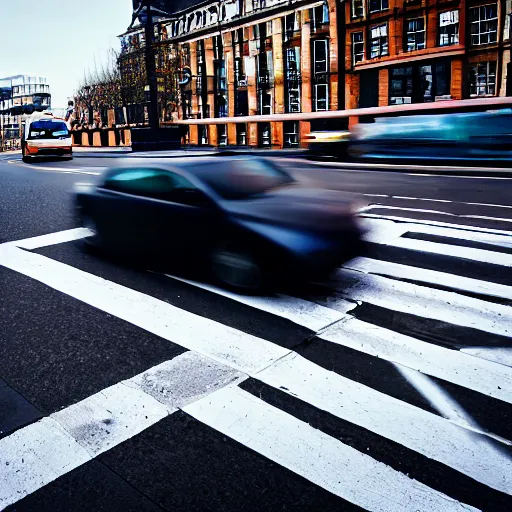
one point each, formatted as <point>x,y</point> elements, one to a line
<point>60,237</point>
<point>302,312</point>
<point>412,220</point>
<point>423,275</point>
<point>422,301</point>
<point>316,456</point>
<point>39,453</point>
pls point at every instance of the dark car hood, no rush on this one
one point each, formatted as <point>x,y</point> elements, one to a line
<point>296,206</point>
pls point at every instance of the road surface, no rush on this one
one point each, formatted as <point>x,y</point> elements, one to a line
<point>387,388</point>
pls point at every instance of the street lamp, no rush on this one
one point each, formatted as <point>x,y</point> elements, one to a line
<point>146,20</point>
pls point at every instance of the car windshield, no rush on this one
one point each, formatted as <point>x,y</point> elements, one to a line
<point>241,178</point>
<point>47,129</point>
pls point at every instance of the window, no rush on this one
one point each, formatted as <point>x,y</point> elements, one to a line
<point>320,56</point>
<point>203,134</point>
<point>222,136</point>
<point>241,134</point>
<point>291,25</point>
<point>379,5</point>
<point>357,47</point>
<point>449,28</point>
<point>357,8</point>
<point>482,78</point>
<point>379,41</point>
<point>291,134</point>
<point>151,183</point>
<point>484,24</point>
<point>321,97</point>
<point>48,129</point>
<point>415,34</point>
<point>265,102</point>
<point>264,138</point>
<point>292,64</point>
<point>320,16</point>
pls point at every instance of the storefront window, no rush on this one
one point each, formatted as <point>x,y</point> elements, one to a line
<point>482,78</point>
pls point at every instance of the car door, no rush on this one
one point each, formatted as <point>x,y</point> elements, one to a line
<point>154,210</point>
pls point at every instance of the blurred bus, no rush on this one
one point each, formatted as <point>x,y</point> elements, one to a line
<point>475,136</point>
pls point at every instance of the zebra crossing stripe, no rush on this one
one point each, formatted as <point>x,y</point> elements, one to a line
<point>426,276</point>
<point>39,453</point>
<point>476,456</point>
<point>419,300</point>
<point>310,453</point>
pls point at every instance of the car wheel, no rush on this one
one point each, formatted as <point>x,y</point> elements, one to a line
<point>237,268</point>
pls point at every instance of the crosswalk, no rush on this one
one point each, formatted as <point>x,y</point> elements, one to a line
<point>398,396</point>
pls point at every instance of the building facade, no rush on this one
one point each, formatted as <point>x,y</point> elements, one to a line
<point>238,58</point>
<point>19,95</point>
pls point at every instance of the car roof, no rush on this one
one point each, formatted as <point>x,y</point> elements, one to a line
<point>176,164</point>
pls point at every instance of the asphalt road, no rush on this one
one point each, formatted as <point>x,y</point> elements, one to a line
<point>387,388</point>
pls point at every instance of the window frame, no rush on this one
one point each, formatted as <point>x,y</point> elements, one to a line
<point>362,43</point>
<point>380,8</point>
<point>481,22</point>
<point>383,48</point>
<point>476,85</point>
<point>357,11</point>
<point>455,35</point>
<point>408,32</point>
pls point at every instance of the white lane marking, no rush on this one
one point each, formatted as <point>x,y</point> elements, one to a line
<point>456,251</point>
<point>319,458</point>
<point>421,431</point>
<point>301,312</point>
<point>411,220</point>
<point>501,355</point>
<point>35,455</point>
<point>450,365</point>
<point>436,212</point>
<point>461,176</point>
<point>375,195</point>
<point>225,344</point>
<point>486,377</point>
<point>490,204</point>
<point>60,237</point>
<point>422,275</point>
<point>422,301</point>
<point>421,199</point>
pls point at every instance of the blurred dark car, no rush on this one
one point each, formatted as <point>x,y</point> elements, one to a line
<point>476,136</point>
<point>244,219</point>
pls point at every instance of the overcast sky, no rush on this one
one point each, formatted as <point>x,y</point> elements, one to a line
<point>59,39</point>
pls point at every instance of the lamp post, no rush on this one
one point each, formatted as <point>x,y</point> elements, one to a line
<point>146,20</point>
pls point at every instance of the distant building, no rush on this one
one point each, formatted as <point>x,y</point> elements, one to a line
<point>263,57</point>
<point>21,94</point>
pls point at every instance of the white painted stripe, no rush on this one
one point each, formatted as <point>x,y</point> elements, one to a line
<point>225,344</point>
<point>411,220</point>
<point>422,275</point>
<point>421,199</point>
<point>315,456</point>
<point>437,397</point>
<point>456,251</point>
<point>421,301</point>
<point>462,177</point>
<point>501,355</point>
<point>301,312</point>
<point>110,417</point>
<point>37,454</point>
<point>480,375</point>
<point>450,365</point>
<point>421,431</point>
<point>59,237</point>
<point>435,212</point>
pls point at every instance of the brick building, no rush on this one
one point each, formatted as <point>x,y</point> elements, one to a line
<point>260,57</point>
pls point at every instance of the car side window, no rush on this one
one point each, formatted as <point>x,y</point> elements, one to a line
<point>156,184</point>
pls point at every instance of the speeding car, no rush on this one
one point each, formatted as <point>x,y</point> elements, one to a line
<point>243,218</point>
